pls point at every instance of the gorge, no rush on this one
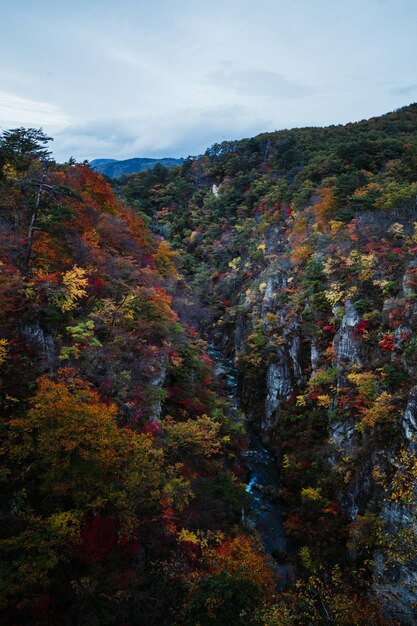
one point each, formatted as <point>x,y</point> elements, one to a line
<point>207,384</point>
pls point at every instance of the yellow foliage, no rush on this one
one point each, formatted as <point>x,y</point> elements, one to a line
<point>188,536</point>
<point>336,227</point>
<point>3,350</point>
<point>66,524</point>
<point>71,442</point>
<point>352,291</point>
<point>301,253</point>
<point>405,478</point>
<point>74,284</point>
<point>305,558</point>
<point>334,294</point>
<point>367,384</point>
<point>234,263</point>
<point>9,172</point>
<point>324,400</point>
<point>310,493</point>
<point>322,210</point>
<point>199,437</point>
<point>381,412</point>
<point>329,266</point>
<point>364,191</point>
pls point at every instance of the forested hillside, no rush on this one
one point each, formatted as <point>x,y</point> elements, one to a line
<point>120,476</point>
<point>301,245</point>
<point>125,450</point>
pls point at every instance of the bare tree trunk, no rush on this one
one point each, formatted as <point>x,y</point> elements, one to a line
<point>32,225</point>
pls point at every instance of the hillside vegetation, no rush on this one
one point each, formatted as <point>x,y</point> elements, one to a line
<point>302,246</point>
<point>122,478</point>
<point>120,474</point>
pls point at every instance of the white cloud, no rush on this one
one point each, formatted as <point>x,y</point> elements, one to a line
<point>18,111</point>
<point>170,134</point>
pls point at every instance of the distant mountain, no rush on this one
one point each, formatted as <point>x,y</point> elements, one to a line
<point>100,162</point>
<point>115,169</point>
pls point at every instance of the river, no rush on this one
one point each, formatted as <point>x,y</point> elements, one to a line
<point>266,511</point>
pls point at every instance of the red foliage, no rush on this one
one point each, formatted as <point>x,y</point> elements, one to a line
<point>53,279</point>
<point>97,539</point>
<point>329,328</point>
<point>96,283</point>
<point>387,343</point>
<point>150,428</point>
<point>360,329</point>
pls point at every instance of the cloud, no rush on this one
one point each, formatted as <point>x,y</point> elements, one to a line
<point>18,111</point>
<point>156,136</point>
<point>406,90</point>
<point>261,83</point>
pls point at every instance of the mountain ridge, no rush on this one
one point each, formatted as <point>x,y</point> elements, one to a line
<point>114,168</point>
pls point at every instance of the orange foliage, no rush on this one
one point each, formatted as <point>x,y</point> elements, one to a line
<point>241,557</point>
<point>71,441</point>
<point>323,209</point>
<point>164,260</point>
<point>45,250</point>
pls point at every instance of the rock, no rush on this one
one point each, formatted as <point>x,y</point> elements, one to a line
<point>271,493</point>
<point>45,343</point>
<point>279,386</point>
<point>395,584</point>
<point>344,343</point>
<point>157,382</point>
<point>315,355</point>
<point>342,434</point>
<point>409,279</point>
<point>409,420</point>
<point>295,351</point>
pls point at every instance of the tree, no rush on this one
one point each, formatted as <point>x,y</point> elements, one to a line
<point>72,452</point>
<point>21,146</point>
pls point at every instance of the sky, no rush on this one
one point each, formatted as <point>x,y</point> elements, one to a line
<point>126,78</point>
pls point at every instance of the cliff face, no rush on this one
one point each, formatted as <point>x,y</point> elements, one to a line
<point>305,255</point>
<point>353,369</point>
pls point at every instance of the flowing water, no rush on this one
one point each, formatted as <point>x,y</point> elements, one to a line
<point>266,511</point>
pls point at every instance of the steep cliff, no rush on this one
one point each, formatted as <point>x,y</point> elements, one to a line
<point>302,247</point>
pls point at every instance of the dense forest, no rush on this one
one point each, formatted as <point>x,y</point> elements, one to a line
<point>294,255</point>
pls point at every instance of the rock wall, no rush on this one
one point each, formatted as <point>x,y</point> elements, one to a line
<point>289,369</point>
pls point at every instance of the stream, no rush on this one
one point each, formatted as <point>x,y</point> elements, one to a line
<point>266,511</point>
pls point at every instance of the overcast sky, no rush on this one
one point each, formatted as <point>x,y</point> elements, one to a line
<point>123,78</point>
